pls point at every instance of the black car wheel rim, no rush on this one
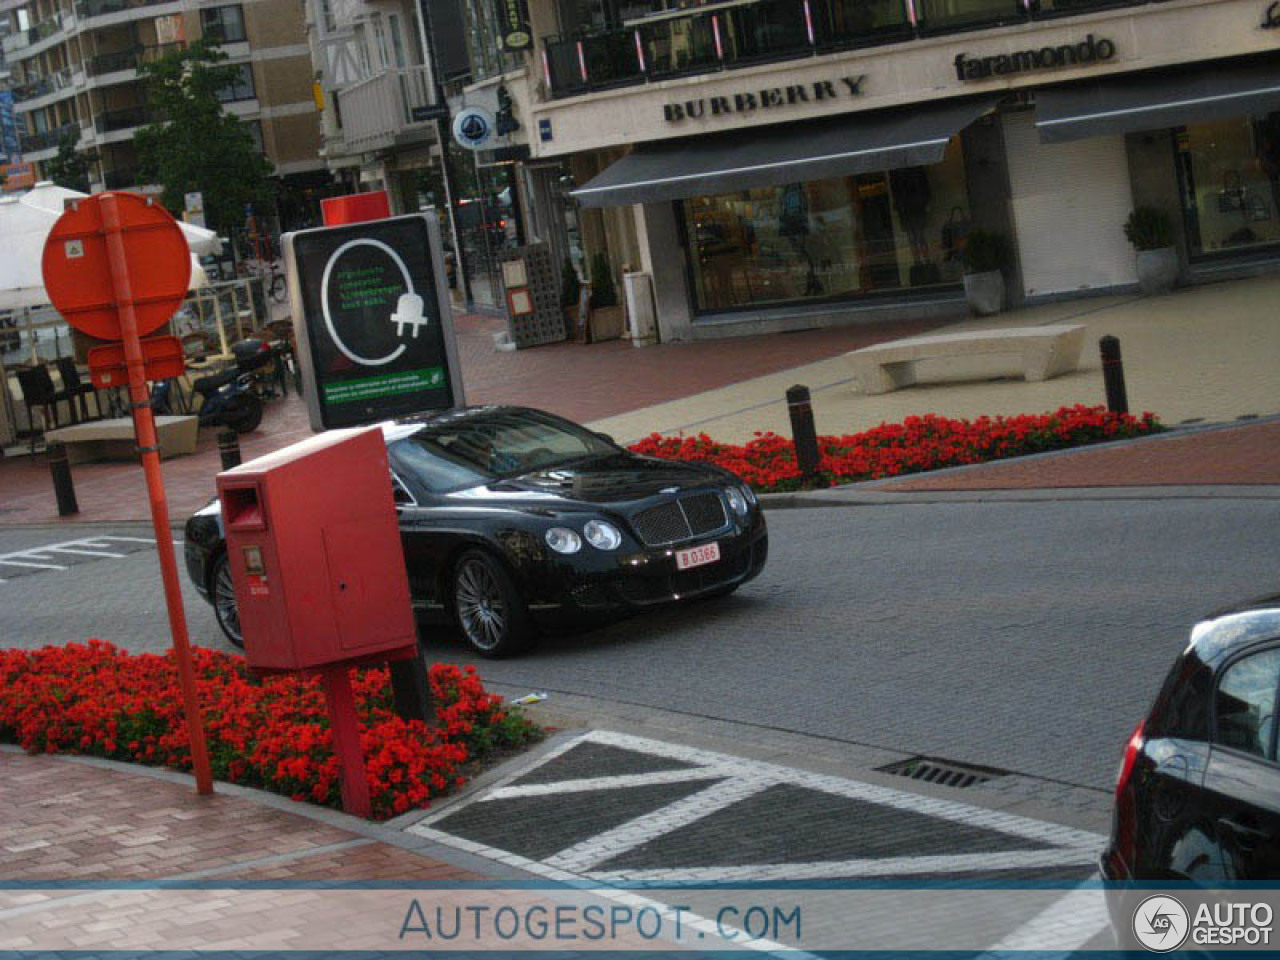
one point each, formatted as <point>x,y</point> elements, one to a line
<point>481,606</point>
<point>224,600</point>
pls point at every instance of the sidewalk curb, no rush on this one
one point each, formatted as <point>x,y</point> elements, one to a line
<point>367,829</point>
<point>876,492</point>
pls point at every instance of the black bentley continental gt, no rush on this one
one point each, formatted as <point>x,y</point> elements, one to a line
<point>512,519</point>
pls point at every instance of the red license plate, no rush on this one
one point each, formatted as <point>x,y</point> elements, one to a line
<point>697,556</point>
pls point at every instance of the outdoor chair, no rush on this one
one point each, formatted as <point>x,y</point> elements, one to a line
<point>74,389</point>
<point>38,391</point>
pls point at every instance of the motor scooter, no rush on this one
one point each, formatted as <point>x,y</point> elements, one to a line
<point>225,399</point>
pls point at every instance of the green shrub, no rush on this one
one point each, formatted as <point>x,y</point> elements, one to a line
<point>570,285</point>
<point>986,250</point>
<point>1149,229</point>
<point>603,292</point>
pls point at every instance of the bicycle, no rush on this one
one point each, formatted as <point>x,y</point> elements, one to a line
<point>273,280</point>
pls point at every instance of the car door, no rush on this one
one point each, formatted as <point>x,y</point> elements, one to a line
<point>1243,779</point>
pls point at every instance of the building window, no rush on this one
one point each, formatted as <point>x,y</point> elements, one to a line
<point>1246,704</point>
<point>223,24</point>
<point>1230,174</point>
<point>241,88</point>
<point>255,133</point>
<point>829,239</point>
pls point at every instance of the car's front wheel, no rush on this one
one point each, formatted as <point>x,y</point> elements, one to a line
<point>490,611</point>
<point>223,592</point>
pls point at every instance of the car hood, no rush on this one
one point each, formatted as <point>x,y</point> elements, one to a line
<point>611,479</point>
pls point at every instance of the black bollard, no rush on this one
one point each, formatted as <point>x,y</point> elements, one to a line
<point>229,449</point>
<point>1113,375</point>
<point>803,433</point>
<point>410,689</point>
<point>63,488</point>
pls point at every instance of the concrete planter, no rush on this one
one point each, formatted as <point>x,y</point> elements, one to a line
<point>605,324</point>
<point>1157,270</point>
<point>984,292</point>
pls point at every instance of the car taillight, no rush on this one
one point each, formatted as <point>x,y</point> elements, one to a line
<point>1123,852</point>
<point>1131,751</point>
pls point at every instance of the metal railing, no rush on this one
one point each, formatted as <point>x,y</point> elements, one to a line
<point>124,119</point>
<point>702,41</point>
<point>43,86</point>
<point>97,8</point>
<point>376,111</point>
<point>48,139</point>
<point>128,59</point>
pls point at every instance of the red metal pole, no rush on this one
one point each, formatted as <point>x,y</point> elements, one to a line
<point>144,426</point>
<point>353,780</point>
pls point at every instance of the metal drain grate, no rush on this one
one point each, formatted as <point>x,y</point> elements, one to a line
<point>945,773</point>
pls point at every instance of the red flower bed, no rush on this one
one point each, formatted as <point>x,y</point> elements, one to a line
<point>917,444</point>
<point>271,733</point>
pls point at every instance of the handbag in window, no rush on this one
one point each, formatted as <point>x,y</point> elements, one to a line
<point>954,233</point>
<point>1231,196</point>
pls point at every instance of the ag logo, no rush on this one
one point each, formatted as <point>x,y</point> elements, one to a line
<point>473,127</point>
<point>1161,923</point>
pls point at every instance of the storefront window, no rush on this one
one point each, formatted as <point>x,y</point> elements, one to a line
<point>1231,183</point>
<point>827,239</point>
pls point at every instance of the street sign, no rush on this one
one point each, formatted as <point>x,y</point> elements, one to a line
<point>373,320</point>
<point>78,273</point>
<point>435,111</point>
<point>473,127</point>
<point>163,359</point>
<point>116,267</point>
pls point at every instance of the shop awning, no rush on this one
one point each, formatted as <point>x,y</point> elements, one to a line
<point>1157,99</point>
<point>772,156</point>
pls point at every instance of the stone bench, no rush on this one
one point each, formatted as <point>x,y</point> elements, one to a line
<point>1041,352</point>
<point>113,439</point>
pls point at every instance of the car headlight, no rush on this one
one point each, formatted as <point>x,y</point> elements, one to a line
<point>737,501</point>
<point>749,494</point>
<point>602,535</point>
<point>563,540</point>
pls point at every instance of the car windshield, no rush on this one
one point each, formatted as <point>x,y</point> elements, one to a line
<point>477,449</point>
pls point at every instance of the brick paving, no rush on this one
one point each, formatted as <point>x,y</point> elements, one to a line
<point>72,821</point>
<point>582,382</point>
<point>1245,455</point>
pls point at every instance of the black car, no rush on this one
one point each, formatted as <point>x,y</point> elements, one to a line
<point>512,518</point>
<point>1198,796</point>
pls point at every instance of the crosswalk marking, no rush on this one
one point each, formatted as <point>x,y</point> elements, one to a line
<point>58,556</point>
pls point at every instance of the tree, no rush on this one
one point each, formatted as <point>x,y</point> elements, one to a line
<point>195,144</point>
<point>70,168</point>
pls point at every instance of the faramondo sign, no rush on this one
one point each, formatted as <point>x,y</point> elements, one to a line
<point>371,311</point>
<point>1089,50</point>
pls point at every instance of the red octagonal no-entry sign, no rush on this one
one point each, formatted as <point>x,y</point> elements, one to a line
<point>77,271</point>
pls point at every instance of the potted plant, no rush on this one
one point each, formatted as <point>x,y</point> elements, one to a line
<point>570,290</point>
<point>986,254</point>
<point>1151,234</point>
<point>606,313</point>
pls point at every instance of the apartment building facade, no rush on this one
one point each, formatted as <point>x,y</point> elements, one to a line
<point>74,74</point>
<point>780,164</point>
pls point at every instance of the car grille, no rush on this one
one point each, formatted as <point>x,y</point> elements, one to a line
<point>683,519</point>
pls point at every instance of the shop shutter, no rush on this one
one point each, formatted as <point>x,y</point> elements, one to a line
<point>1070,202</point>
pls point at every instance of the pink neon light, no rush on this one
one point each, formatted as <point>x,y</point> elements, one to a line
<point>582,62</point>
<point>640,51</point>
<point>715,28</point>
<point>911,11</point>
<point>808,21</point>
<point>546,68</point>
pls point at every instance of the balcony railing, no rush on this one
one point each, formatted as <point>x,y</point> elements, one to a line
<point>701,41</point>
<point>46,28</point>
<point>378,112</point>
<point>126,119</point>
<point>97,8</point>
<point>43,86</point>
<point>128,59</point>
<point>33,142</point>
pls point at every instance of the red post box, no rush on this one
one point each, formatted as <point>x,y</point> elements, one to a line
<point>315,555</point>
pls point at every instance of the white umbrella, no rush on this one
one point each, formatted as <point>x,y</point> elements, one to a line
<point>24,227</point>
<point>47,195</point>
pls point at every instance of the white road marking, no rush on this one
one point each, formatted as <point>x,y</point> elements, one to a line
<point>38,557</point>
<point>619,782</point>
<point>740,779</point>
<point>650,826</point>
<point>1064,926</point>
